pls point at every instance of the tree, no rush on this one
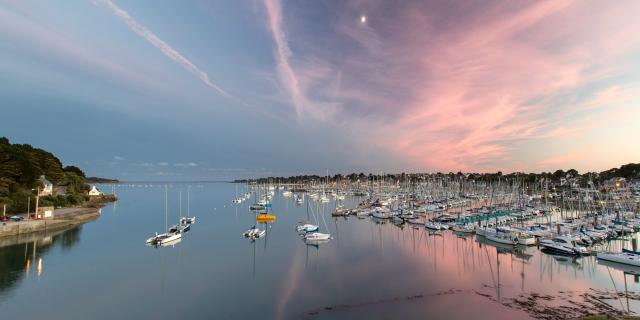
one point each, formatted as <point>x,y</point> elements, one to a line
<point>558,174</point>
<point>75,170</point>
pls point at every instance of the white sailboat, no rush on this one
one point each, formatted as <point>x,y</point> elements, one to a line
<point>317,236</point>
<point>167,237</point>
<point>625,257</point>
<point>188,220</point>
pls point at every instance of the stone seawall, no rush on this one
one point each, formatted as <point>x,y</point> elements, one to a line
<point>61,218</point>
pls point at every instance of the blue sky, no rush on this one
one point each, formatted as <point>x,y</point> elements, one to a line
<point>166,90</point>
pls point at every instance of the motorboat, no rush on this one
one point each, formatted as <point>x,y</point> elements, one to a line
<point>254,233</point>
<point>563,245</point>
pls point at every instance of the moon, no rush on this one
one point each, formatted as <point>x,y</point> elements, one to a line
<point>363,19</point>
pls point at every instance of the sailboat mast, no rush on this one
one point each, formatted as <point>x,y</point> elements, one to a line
<point>166,210</point>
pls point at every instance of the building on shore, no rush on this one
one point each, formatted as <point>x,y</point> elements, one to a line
<point>45,212</point>
<point>47,186</point>
<point>95,192</point>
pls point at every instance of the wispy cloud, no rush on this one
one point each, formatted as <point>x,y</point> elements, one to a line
<point>286,72</point>
<point>166,49</point>
<point>119,158</point>
<point>480,92</point>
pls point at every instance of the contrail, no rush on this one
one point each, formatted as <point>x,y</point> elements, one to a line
<point>283,52</point>
<point>165,48</point>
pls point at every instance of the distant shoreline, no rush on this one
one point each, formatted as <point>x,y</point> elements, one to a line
<point>100,180</point>
<point>180,181</point>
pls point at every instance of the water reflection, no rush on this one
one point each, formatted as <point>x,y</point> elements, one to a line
<point>371,269</point>
<point>20,254</point>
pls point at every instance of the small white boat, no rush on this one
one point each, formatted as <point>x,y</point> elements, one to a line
<point>307,227</point>
<point>316,236</point>
<point>254,233</point>
<point>463,228</point>
<point>187,220</point>
<point>499,237</point>
<point>435,226</point>
<point>525,239</point>
<point>381,213</point>
<point>625,257</point>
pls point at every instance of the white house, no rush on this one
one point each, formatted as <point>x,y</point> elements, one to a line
<point>47,186</point>
<point>94,191</point>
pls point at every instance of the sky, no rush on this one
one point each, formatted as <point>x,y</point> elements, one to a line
<point>206,90</point>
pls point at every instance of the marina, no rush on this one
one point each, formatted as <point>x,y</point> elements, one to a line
<point>368,266</point>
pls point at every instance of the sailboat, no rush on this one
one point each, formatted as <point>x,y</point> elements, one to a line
<point>316,236</point>
<point>307,227</point>
<point>627,257</point>
<point>188,220</point>
<point>180,227</point>
<point>164,238</point>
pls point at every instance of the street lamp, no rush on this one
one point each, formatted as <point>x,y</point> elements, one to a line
<point>35,214</point>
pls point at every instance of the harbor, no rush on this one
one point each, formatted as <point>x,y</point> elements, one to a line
<point>369,267</point>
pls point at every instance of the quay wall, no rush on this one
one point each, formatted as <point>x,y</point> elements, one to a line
<point>68,217</point>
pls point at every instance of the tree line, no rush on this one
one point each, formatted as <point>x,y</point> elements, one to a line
<point>628,171</point>
<point>21,165</point>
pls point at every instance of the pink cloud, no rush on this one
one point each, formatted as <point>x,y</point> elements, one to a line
<point>471,90</point>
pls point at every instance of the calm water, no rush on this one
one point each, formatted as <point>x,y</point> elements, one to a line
<point>103,270</point>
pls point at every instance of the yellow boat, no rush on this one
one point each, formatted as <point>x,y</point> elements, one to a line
<point>266,218</point>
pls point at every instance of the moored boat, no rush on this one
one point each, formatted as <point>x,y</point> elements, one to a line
<point>625,257</point>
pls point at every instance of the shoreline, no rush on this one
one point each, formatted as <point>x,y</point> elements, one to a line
<point>63,217</point>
